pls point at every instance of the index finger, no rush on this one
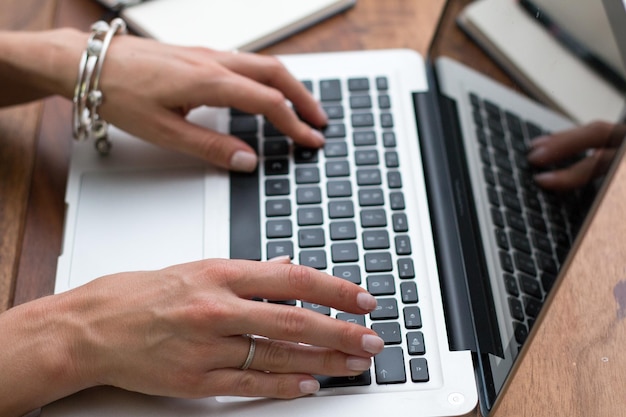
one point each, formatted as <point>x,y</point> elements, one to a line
<point>270,71</point>
<point>278,281</point>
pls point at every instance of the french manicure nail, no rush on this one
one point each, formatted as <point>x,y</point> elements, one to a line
<point>309,386</point>
<point>366,301</point>
<point>372,344</point>
<point>243,161</point>
<point>319,136</point>
<point>354,363</point>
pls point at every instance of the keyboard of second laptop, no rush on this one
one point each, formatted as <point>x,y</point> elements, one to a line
<point>533,228</point>
<point>341,209</point>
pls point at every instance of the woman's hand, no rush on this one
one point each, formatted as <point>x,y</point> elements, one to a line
<point>149,88</point>
<point>178,332</point>
<point>597,142</point>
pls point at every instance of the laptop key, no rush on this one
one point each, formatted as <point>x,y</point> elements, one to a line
<point>279,248</point>
<point>389,366</point>
<point>412,317</point>
<point>343,230</point>
<point>338,189</point>
<point>344,252</point>
<point>311,237</point>
<point>386,309</point>
<point>408,291</point>
<point>245,224</point>
<point>310,216</point>
<point>361,102</point>
<point>405,268</point>
<point>400,222</point>
<point>330,90</point>
<point>375,239</point>
<point>350,273</point>
<point>378,262</point>
<point>415,343</point>
<point>381,284</point>
<point>373,218</point>
<point>396,200</point>
<point>389,332</point>
<point>335,149</point>
<point>419,370</point>
<point>344,381</point>
<point>273,187</point>
<point>358,84</point>
<point>281,207</point>
<point>352,318</point>
<point>313,258</point>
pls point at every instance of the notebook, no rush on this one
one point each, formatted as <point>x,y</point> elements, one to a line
<point>245,25</point>
<point>546,68</point>
<point>422,194</point>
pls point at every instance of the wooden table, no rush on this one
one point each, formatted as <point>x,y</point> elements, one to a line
<point>572,365</point>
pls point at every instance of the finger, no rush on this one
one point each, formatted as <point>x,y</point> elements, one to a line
<point>279,281</point>
<point>576,175</point>
<point>286,357</point>
<point>170,130</point>
<point>562,145</point>
<point>287,323</point>
<point>253,97</point>
<point>270,71</point>
<point>253,383</point>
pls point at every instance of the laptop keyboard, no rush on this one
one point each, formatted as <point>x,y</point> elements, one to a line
<point>533,228</point>
<point>340,209</point>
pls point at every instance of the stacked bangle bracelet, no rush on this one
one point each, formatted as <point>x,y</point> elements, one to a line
<point>88,97</point>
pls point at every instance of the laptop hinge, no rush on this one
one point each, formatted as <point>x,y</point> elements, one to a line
<point>448,250</point>
<point>466,290</point>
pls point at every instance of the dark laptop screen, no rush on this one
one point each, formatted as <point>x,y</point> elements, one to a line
<point>582,47</point>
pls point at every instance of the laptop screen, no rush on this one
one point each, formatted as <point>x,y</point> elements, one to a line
<point>540,48</point>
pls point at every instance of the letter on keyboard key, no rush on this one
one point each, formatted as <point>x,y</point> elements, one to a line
<point>389,365</point>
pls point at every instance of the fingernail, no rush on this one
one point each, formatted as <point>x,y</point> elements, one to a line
<point>544,176</point>
<point>281,259</point>
<point>372,344</point>
<point>243,161</point>
<point>366,301</point>
<point>354,363</point>
<point>309,386</point>
<point>319,137</point>
<point>536,154</point>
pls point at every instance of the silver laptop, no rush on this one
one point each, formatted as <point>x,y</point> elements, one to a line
<point>422,195</point>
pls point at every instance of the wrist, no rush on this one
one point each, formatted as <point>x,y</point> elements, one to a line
<point>40,64</point>
<point>38,356</point>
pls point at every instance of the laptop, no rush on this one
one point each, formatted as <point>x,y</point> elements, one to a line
<point>422,194</point>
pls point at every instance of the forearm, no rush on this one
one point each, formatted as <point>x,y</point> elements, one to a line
<point>34,65</point>
<point>37,363</point>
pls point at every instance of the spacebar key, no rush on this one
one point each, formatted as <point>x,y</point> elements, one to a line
<point>245,216</point>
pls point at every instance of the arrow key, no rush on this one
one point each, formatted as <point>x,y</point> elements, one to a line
<point>389,365</point>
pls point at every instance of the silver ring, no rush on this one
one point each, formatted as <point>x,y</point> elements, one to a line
<point>250,356</point>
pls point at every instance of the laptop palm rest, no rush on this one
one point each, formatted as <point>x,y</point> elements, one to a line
<point>124,223</point>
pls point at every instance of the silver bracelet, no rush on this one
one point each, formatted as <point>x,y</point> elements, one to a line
<point>86,122</point>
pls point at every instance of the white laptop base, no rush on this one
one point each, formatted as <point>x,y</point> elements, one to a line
<point>101,239</point>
